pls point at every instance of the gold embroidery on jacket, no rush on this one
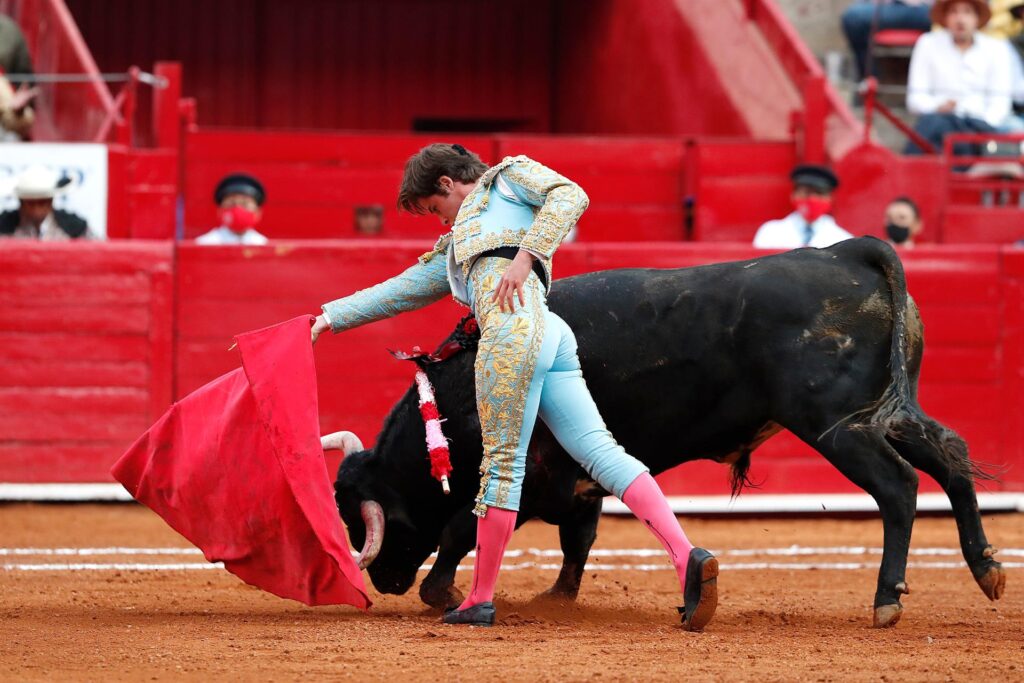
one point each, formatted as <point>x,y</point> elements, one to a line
<point>440,246</point>
<point>561,203</point>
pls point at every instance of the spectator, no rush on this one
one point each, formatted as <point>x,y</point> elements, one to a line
<point>35,217</point>
<point>239,198</point>
<point>16,116</point>
<point>810,224</point>
<point>903,222</point>
<point>14,57</point>
<point>960,80</point>
<point>369,220</point>
<point>859,22</point>
<point>1003,24</point>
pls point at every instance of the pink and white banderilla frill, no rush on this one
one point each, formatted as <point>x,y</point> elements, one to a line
<point>437,444</point>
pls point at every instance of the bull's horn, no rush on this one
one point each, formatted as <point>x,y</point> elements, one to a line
<point>373,518</point>
<point>346,442</point>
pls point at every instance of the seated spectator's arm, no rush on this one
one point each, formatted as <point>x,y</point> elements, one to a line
<point>920,97</point>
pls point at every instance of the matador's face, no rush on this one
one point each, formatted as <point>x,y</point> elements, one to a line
<point>445,204</point>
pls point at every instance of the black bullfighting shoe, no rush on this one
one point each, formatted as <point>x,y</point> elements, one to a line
<point>481,614</point>
<point>700,597</point>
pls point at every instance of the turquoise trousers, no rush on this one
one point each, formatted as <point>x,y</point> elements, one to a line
<point>527,365</point>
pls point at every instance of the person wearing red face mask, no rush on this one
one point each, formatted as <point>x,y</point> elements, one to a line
<point>239,199</point>
<point>810,224</point>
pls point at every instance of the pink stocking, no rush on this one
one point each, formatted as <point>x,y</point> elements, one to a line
<point>646,501</point>
<point>493,532</point>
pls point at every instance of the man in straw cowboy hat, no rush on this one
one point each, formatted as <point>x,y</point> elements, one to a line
<point>960,79</point>
<point>35,217</point>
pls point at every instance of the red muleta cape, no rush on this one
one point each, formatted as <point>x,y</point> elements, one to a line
<point>236,467</point>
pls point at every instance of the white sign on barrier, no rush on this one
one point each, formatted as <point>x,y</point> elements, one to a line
<point>84,163</point>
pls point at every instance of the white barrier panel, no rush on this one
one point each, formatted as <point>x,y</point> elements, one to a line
<point>803,503</point>
<point>84,164</point>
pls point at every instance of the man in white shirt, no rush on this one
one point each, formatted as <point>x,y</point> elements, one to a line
<point>809,225</point>
<point>239,199</point>
<point>960,80</point>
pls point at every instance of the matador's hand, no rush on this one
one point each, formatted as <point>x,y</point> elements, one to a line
<point>512,282</point>
<point>319,325</point>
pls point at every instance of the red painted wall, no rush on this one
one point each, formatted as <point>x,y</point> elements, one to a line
<point>315,181</point>
<point>566,66</point>
<point>73,395</point>
<point>339,64</point>
<point>85,355</point>
<point>628,68</point>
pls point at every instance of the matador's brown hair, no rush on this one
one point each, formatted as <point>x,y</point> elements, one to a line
<point>426,167</point>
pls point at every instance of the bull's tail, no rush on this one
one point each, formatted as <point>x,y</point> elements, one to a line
<point>896,414</point>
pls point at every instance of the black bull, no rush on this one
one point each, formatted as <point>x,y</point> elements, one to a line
<point>695,363</point>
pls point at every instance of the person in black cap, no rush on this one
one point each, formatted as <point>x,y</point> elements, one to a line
<point>810,224</point>
<point>239,198</point>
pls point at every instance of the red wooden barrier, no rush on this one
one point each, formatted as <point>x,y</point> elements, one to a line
<point>85,355</point>
<point>108,307</point>
<point>314,181</point>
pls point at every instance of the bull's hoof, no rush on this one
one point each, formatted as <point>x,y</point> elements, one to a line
<point>442,599</point>
<point>555,595</point>
<point>993,582</point>
<point>887,615</point>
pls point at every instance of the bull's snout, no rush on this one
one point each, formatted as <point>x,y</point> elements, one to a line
<point>391,581</point>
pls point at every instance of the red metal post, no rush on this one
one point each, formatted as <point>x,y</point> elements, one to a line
<point>870,92</point>
<point>166,116</point>
<point>189,112</point>
<point>815,111</point>
<point>125,127</point>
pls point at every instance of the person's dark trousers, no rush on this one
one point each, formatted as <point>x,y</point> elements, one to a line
<point>935,127</point>
<point>857,24</point>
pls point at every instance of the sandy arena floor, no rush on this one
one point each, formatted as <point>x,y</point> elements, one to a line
<point>776,623</point>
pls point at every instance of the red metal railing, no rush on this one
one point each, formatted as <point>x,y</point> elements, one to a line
<point>68,111</point>
<point>991,174</point>
<point>869,90</point>
<point>819,98</point>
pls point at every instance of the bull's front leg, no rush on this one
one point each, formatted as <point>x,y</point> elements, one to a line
<point>458,538</point>
<point>576,535</point>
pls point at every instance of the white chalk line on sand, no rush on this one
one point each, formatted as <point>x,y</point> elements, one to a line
<point>787,551</point>
<point>540,566</point>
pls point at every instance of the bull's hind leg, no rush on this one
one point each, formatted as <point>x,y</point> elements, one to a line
<point>867,459</point>
<point>576,535</point>
<point>942,454</point>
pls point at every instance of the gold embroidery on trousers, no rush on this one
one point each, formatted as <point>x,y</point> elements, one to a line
<point>505,364</point>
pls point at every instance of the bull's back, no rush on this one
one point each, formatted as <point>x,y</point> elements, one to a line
<point>694,361</point>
